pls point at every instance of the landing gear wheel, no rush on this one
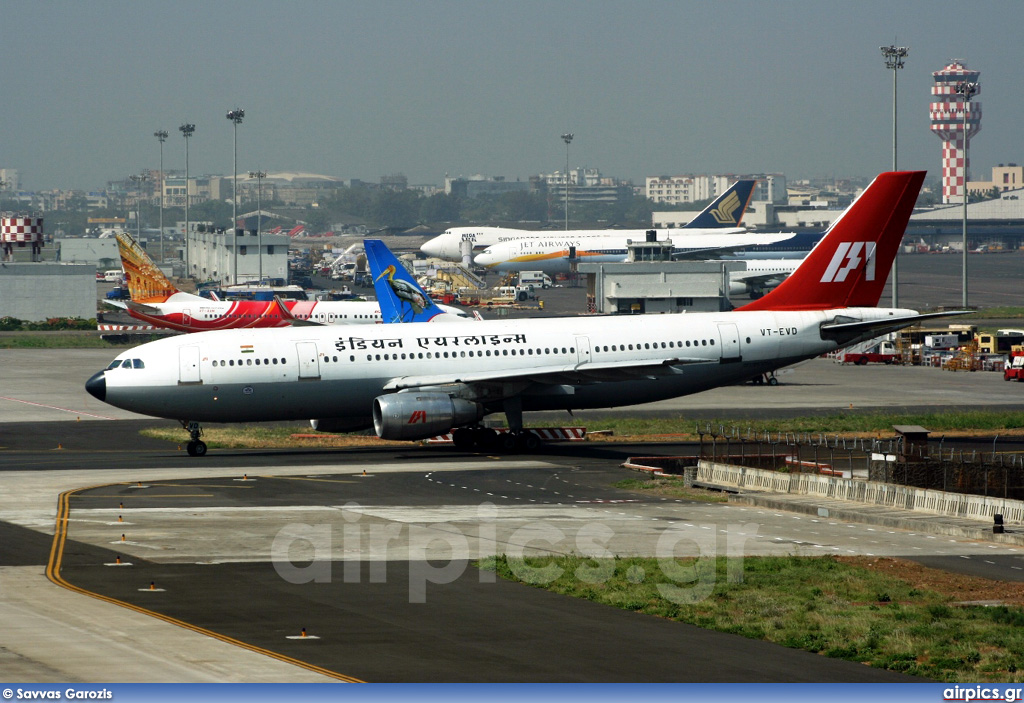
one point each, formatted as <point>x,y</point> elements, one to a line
<point>507,442</point>
<point>772,381</point>
<point>196,446</point>
<point>462,438</point>
<point>485,438</point>
<point>528,441</point>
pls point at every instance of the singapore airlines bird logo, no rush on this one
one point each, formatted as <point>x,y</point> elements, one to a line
<point>725,214</point>
<point>404,291</point>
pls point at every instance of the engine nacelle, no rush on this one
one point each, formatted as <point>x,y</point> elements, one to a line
<point>341,424</point>
<point>421,415</point>
<point>739,288</point>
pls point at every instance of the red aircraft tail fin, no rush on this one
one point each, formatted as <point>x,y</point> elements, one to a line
<point>850,264</point>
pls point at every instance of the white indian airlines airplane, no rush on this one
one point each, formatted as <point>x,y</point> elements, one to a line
<point>722,216</point>
<point>156,301</point>
<point>414,381</point>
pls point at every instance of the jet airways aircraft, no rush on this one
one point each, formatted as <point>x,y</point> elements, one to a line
<point>722,216</point>
<point>555,254</point>
<point>156,301</point>
<point>760,275</point>
<point>413,381</point>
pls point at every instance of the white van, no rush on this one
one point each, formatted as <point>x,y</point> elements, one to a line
<point>113,275</point>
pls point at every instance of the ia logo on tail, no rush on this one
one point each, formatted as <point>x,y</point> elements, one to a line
<point>848,257</point>
<point>725,214</point>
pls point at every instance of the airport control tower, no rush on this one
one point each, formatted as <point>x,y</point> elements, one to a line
<point>948,123</point>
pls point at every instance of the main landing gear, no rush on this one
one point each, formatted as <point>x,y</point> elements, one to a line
<point>764,378</point>
<point>486,439</point>
<point>196,446</point>
<point>516,439</point>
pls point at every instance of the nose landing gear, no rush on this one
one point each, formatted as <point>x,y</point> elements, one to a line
<point>196,446</point>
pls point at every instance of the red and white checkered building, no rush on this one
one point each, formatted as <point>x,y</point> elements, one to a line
<point>947,121</point>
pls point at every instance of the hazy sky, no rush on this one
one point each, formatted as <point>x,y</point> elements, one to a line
<point>365,89</point>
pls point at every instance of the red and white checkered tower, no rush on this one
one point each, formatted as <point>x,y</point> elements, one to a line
<point>19,232</point>
<point>948,123</point>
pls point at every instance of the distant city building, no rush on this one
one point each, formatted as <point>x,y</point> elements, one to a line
<point>679,190</point>
<point>947,122</point>
<point>475,186</point>
<point>586,185</point>
<point>682,190</point>
<point>395,181</point>
<point>1004,178</point>
<point>11,179</point>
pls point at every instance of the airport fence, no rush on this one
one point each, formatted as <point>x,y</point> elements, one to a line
<point>888,460</point>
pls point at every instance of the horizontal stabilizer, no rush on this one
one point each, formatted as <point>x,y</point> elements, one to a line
<point>142,308</point>
<point>286,314</point>
<point>866,329</point>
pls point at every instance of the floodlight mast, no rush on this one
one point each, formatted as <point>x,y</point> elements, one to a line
<point>567,138</point>
<point>236,116</point>
<point>894,56</point>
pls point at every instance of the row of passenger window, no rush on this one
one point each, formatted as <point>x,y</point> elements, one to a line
<point>249,362</point>
<point>654,345</point>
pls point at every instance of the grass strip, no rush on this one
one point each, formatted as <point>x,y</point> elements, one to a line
<point>635,429</point>
<point>849,609</point>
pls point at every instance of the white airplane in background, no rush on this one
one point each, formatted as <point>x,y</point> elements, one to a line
<point>555,253</point>
<point>760,275</point>
<point>722,216</point>
<point>155,300</point>
<point>414,381</point>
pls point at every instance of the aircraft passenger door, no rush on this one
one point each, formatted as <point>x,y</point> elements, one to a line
<point>729,335</point>
<point>186,316</point>
<point>583,350</point>
<point>309,362</point>
<point>188,366</point>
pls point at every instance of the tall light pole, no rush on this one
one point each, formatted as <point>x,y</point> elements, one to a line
<point>894,56</point>
<point>236,117</point>
<point>567,138</point>
<point>138,180</point>
<point>187,130</point>
<point>967,90</point>
<point>161,136</point>
<point>259,176</point>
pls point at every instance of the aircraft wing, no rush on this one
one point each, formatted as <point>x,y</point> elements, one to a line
<point>552,375</point>
<point>757,277</point>
<point>705,253</point>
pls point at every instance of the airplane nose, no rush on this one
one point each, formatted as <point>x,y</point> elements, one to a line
<point>483,259</point>
<point>430,248</point>
<point>97,386</point>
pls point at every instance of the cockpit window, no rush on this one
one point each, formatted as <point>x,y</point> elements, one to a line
<point>114,364</point>
<point>137,364</point>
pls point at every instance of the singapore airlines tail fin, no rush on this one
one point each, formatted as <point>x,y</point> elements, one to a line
<point>400,296</point>
<point>146,282</point>
<point>726,210</point>
<point>849,265</point>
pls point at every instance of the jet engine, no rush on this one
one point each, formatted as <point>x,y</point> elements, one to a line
<point>420,415</point>
<point>341,424</point>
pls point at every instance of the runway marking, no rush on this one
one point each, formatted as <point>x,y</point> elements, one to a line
<point>54,407</point>
<point>60,536</point>
<point>313,480</point>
